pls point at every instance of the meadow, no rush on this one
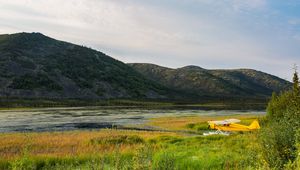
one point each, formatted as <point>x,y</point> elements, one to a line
<point>179,145</point>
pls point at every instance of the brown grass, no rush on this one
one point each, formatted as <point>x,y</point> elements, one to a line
<point>79,143</point>
<point>64,144</point>
<point>179,123</point>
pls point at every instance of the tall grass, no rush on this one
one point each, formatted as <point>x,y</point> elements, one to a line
<point>162,151</point>
<point>124,149</point>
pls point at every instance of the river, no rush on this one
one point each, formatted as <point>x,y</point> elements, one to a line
<point>80,118</point>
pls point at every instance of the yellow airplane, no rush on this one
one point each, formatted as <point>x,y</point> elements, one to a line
<point>231,125</point>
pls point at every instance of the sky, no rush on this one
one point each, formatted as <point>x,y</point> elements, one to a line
<point>213,34</point>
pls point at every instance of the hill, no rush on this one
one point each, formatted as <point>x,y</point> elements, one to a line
<point>222,83</point>
<point>33,65</point>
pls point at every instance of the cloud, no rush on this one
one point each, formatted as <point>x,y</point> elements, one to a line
<point>224,34</point>
<point>248,4</point>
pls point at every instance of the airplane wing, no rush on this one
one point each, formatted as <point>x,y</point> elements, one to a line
<point>225,122</point>
<point>233,120</point>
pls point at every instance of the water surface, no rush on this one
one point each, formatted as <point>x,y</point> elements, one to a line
<point>77,118</point>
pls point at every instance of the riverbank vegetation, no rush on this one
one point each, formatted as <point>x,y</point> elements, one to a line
<point>280,136</point>
<point>224,104</point>
<point>119,149</point>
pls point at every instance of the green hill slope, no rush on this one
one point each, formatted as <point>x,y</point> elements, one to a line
<point>35,66</point>
<point>222,83</point>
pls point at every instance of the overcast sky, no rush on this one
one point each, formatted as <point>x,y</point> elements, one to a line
<point>258,34</point>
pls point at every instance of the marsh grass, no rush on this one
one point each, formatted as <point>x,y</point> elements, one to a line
<point>195,122</point>
<point>200,127</point>
<point>132,150</point>
<point>122,139</point>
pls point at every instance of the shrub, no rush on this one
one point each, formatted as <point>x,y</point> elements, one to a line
<point>278,137</point>
<point>277,145</point>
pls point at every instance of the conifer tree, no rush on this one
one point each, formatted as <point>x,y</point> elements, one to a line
<point>296,87</point>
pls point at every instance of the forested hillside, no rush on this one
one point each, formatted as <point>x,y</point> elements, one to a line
<point>203,82</point>
<point>35,66</point>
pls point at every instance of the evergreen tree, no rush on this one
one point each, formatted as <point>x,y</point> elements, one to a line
<point>296,82</point>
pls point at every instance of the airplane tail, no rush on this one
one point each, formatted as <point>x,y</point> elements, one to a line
<point>254,125</point>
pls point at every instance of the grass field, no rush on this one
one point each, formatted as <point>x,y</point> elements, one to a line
<point>125,149</point>
<point>183,123</point>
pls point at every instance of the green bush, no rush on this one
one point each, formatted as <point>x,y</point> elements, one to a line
<point>278,136</point>
<point>278,145</point>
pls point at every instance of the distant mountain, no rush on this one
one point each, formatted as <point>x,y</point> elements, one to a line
<point>33,65</point>
<point>202,82</point>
